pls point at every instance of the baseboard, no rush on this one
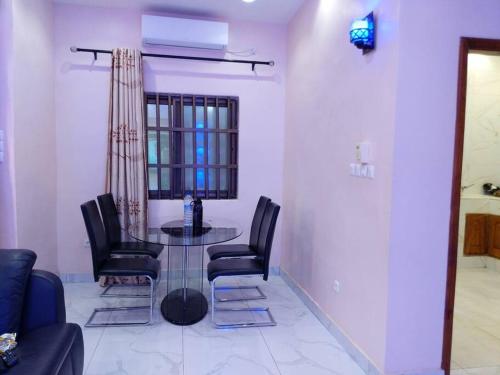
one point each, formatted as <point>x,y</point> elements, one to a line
<point>70,278</point>
<point>356,354</point>
<point>275,271</point>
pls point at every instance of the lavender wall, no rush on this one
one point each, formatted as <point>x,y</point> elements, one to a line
<point>336,227</point>
<point>7,203</point>
<point>81,116</point>
<point>423,153</point>
<point>29,174</point>
<point>34,130</point>
<point>385,240</point>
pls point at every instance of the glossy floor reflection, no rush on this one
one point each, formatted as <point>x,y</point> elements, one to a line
<point>476,327</point>
<point>298,345</point>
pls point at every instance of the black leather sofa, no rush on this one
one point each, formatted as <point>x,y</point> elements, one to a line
<point>47,345</point>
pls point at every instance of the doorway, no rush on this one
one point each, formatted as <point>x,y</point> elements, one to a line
<point>474,234</point>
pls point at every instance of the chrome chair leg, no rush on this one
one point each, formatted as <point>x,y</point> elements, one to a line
<point>269,323</point>
<point>260,295</point>
<point>106,293</point>
<point>152,299</point>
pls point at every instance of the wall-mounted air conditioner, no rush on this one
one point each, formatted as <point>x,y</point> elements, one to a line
<point>182,32</point>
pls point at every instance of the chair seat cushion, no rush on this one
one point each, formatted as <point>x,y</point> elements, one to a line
<point>137,248</point>
<point>130,267</point>
<point>234,267</point>
<point>230,251</point>
<point>54,349</point>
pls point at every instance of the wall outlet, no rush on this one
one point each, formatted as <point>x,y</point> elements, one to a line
<point>86,243</point>
<point>336,286</point>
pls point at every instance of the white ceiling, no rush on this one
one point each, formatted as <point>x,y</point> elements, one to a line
<point>274,11</point>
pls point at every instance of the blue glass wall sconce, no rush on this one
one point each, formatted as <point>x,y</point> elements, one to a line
<point>363,33</point>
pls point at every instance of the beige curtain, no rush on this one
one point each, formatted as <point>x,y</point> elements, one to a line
<point>126,166</point>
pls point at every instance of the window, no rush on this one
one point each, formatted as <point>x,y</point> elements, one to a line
<point>192,146</point>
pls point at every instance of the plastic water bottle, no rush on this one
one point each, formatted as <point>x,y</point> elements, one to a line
<point>188,211</point>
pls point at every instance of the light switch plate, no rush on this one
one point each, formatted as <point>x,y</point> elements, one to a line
<point>371,171</point>
<point>353,169</point>
<point>362,170</point>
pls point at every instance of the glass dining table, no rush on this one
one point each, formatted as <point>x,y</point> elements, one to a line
<point>185,303</point>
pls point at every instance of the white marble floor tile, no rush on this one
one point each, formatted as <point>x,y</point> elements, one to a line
<point>476,328</point>
<point>226,351</point>
<point>80,302</point>
<point>474,348</point>
<point>482,371</point>
<point>146,350</point>
<point>299,344</point>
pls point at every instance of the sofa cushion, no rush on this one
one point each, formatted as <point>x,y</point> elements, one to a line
<point>15,269</point>
<point>56,349</point>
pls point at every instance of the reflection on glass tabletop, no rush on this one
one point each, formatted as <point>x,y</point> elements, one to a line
<point>172,232</point>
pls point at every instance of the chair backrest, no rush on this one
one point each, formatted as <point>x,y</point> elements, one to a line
<point>257,221</point>
<point>267,235</point>
<point>110,218</point>
<point>95,230</point>
<point>15,271</point>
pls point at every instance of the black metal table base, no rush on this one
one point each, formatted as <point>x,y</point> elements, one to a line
<point>184,311</point>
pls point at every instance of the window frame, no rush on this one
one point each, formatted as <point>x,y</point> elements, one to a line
<point>176,130</point>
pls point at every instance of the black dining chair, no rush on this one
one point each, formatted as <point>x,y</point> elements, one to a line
<point>242,250</point>
<point>114,231</point>
<point>105,265</point>
<point>259,265</point>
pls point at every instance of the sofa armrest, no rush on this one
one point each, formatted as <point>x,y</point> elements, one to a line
<point>44,301</point>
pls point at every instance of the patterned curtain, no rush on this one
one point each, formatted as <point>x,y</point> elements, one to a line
<point>126,166</point>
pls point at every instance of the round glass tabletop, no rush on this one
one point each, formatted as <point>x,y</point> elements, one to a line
<point>172,232</point>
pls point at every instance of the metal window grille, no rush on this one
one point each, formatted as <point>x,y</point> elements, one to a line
<point>192,146</point>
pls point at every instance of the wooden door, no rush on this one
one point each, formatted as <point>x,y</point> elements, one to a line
<point>476,234</point>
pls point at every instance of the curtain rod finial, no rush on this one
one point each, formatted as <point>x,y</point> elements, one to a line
<point>271,63</point>
<point>73,49</point>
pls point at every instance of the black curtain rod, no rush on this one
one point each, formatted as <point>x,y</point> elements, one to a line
<point>197,58</point>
